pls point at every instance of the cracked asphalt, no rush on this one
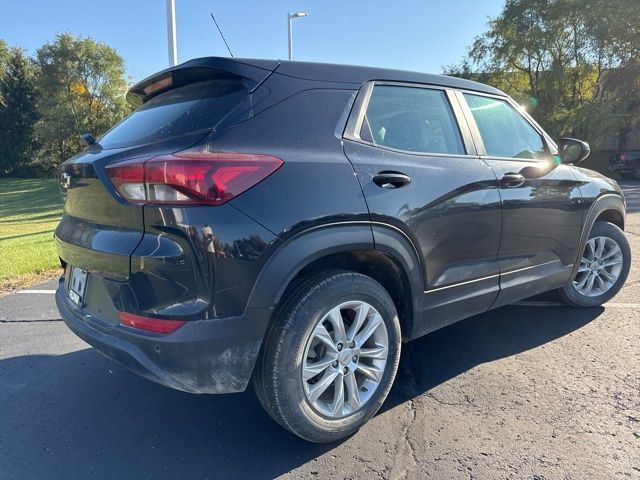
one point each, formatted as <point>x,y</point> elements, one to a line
<point>540,392</point>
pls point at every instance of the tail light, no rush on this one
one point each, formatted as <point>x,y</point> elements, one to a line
<point>623,158</point>
<point>191,177</point>
<point>147,324</point>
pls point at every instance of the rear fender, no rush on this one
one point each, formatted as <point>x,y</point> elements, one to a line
<point>315,243</point>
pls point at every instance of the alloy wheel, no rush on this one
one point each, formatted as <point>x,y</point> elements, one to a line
<point>599,268</point>
<point>345,359</point>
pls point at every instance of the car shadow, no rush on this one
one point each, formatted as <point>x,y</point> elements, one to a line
<point>435,358</point>
<point>80,415</point>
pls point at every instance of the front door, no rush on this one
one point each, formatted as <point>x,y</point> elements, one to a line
<point>420,174</point>
<point>541,201</point>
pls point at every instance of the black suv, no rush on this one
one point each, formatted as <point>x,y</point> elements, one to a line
<point>293,223</point>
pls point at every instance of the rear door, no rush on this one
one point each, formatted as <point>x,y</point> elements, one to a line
<point>420,174</point>
<point>542,204</point>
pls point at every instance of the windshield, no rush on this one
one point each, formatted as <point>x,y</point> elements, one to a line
<point>179,111</point>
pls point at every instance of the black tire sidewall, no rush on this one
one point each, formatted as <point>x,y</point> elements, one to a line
<point>302,319</point>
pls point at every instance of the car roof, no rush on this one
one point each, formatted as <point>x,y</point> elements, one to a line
<point>329,72</point>
<point>259,69</point>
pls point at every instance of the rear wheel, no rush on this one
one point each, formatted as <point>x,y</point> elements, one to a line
<point>604,267</point>
<point>331,356</point>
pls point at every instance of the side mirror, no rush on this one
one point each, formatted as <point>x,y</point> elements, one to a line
<point>572,150</point>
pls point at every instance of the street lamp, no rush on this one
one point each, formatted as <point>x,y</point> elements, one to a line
<point>291,16</point>
<point>171,32</point>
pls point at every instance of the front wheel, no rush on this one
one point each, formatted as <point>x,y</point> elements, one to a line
<point>604,267</point>
<point>331,356</point>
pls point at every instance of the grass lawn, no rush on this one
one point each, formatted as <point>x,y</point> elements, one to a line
<point>29,212</point>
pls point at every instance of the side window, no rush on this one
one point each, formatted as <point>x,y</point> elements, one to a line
<point>505,133</point>
<point>413,119</point>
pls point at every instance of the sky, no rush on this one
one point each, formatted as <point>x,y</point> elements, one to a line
<point>416,35</point>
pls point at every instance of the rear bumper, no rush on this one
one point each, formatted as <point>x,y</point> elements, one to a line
<point>203,356</point>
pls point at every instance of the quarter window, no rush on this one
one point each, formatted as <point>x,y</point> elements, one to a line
<point>412,119</point>
<point>504,132</point>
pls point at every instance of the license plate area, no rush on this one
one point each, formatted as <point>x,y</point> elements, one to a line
<point>77,285</point>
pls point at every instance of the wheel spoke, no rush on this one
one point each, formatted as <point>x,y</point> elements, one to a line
<point>353,393</point>
<point>378,353</point>
<point>580,285</point>
<point>613,252</point>
<point>312,369</point>
<point>612,262</point>
<point>590,250</point>
<point>338,397</point>
<point>584,266</point>
<point>373,322</point>
<point>608,276</point>
<point>361,316</point>
<point>335,317</point>
<point>321,386</point>
<point>321,333</point>
<point>601,283</point>
<point>370,372</point>
<point>588,285</point>
<point>600,243</point>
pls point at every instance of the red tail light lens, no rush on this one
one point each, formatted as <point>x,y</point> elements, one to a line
<point>191,177</point>
<point>623,158</point>
<point>147,324</point>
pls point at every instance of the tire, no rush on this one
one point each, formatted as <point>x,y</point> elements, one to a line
<point>293,345</point>
<point>575,292</point>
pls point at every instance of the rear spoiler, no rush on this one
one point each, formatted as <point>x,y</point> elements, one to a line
<point>253,72</point>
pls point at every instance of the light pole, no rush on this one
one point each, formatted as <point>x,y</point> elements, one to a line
<point>291,16</point>
<point>171,32</point>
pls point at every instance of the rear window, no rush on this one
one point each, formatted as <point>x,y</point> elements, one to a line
<point>182,110</point>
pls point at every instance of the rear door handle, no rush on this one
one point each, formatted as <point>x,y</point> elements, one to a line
<point>512,180</point>
<point>391,179</point>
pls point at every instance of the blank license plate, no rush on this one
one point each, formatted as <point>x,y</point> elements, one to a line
<point>77,285</point>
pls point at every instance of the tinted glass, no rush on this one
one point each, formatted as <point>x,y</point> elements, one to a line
<point>412,119</point>
<point>179,111</point>
<point>504,131</point>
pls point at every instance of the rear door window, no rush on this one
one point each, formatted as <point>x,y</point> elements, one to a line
<point>504,132</point>
<point>179,111</point>
<point>413,119</point>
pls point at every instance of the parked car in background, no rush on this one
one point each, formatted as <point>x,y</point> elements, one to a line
<point>627,164</point>
<point>294,223</point>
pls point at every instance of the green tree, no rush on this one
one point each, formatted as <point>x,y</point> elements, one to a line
<point>18,113</point>
<point>82,87</point>
<point>571,61</point>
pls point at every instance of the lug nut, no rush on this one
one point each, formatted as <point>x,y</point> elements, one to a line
<point>355,358</point>
<point>334,364</point>
<point>345,370</point>
<point>339,346</point>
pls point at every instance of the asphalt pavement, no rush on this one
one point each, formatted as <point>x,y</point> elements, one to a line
<point>537,390</point>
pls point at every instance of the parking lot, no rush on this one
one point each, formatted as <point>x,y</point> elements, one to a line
<point>530,391</point>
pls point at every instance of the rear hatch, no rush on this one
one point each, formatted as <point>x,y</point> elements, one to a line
<point>179,107</point>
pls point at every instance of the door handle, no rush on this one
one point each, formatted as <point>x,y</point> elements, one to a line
<point>512,180</point>
<point>391,179</point>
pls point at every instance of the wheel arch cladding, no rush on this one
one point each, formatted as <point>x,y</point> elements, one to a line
<point>346,247</point>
